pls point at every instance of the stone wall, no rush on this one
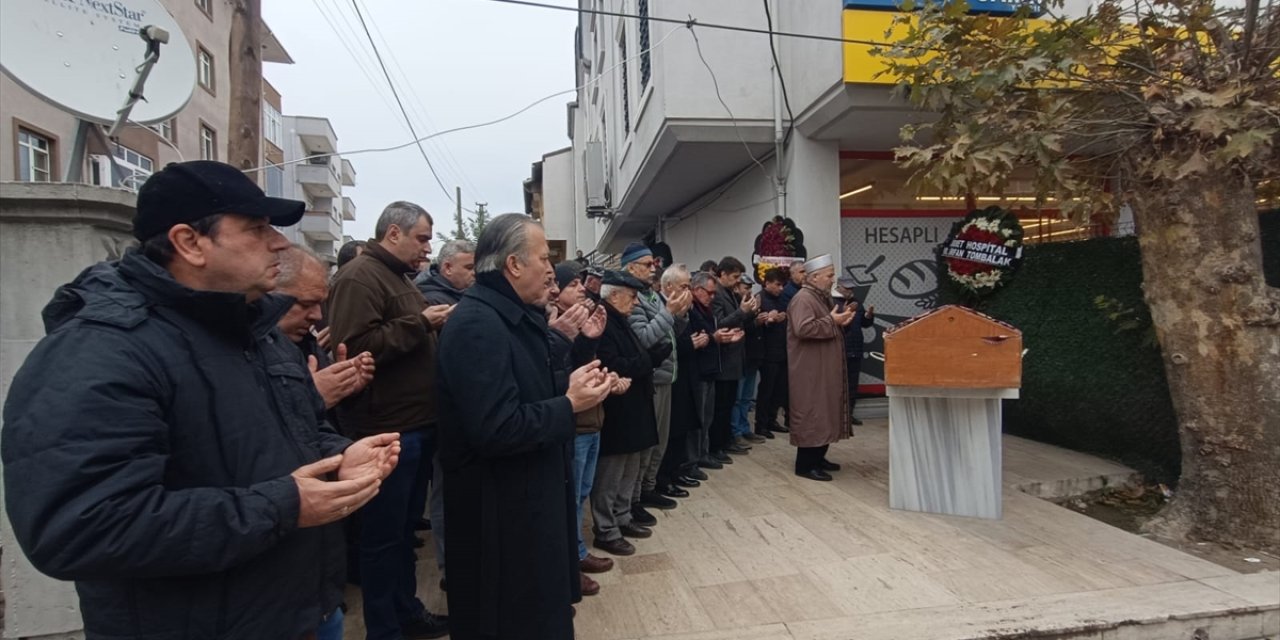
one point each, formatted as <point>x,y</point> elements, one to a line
<point>48,234</point>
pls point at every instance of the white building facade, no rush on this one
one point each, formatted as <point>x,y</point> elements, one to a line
<point>316,178</point>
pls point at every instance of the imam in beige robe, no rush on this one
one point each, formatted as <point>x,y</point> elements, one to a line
<point>816,371</point>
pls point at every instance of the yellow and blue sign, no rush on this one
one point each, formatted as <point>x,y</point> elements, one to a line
<point>992,7</point>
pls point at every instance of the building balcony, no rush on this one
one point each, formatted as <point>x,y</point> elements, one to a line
<point>319,180</point>
<point>320,226</point>
<point>348,209</point>
<point>316,134</point>
<point>348,174</point>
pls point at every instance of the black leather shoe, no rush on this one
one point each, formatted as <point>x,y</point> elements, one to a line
<point>737,447</point>
<point>422,524</point>
<point>642,517</point>
<point>696,474</point>
<point>855,421</point>
<point>686,481</point>
<point>766,434</point>
<point>655,500</point>
<point>425,625</point>
<point>710,463</point>
<point>829,466</point>
<point>779,429</point>
<point>634,530</point>
<point>672,491</point>
<point>722,458</point>
<point>816,474</point>
<point>619,547</point>
<point>754,438</point>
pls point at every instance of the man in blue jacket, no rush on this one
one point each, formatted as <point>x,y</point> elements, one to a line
<point>163,445</point>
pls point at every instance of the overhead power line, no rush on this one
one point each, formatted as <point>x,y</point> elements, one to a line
<point>694,22</point>
<point>409,121</point>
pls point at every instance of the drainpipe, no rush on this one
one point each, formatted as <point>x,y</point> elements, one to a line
<point>779,133</point>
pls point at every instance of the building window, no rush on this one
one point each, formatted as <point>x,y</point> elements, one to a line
<point>275,181</point>
<point>35,157</point>
<point>626,93</point>
<point>272,124</point>
<point>205,6</point>
<point>135,168</point>
<point>205,70</point>
<point>165,129</point>
<point>208,143</point>
<point>642,8</point>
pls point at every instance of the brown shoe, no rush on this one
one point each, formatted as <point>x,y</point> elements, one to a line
<point>595,564</point>
<point>589,587</point>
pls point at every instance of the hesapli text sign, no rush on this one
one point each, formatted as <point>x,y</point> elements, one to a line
<point>996,255</point>
<point>901,234</point>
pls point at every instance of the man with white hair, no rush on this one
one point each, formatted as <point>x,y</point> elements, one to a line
<point>816,371</point>
<point>507,436</point>
<point>452,273</point>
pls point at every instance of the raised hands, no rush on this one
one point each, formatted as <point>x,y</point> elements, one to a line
<point>588,386</point>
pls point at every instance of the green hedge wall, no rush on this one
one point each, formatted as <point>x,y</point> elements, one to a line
<point>1087,385</point>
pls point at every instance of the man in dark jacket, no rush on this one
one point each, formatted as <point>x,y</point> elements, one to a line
<point>753,359</point>
<point>630,426</point>
<point>773,370</point>
<point>375,307</point>
<point>731,312</point>
<point>709,364</point>
<point>507,447</point>
<point>163,445</point>
<point>452,273</point>
<point>796,275</point>
<point>863,317</point>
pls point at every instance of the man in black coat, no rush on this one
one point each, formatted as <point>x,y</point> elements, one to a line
<point>630,426</point>
<point>863,316</point>
<point>506,437</point>
<point>773,371</point>
<point>731,312</point>
<point>163,445</point>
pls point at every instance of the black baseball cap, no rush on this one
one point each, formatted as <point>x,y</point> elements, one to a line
<point>184,192</point>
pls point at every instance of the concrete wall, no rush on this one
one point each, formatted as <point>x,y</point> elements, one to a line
<point>809,67</point>
<point>711,228</point>
<point>48,234</point>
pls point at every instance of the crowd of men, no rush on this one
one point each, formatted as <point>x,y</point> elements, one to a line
<point>212,415</point>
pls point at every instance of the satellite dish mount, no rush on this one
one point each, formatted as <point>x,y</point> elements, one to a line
<point>154,37</point>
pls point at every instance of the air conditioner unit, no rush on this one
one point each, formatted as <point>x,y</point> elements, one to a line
<point>593,164</point>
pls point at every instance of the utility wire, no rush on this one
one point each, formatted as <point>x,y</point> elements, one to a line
<point>479,125</point>
<point>409,121</point>
<point>359,60</point>
<point>715,84</point>
<point>418,108</point>
<point>694,22</point>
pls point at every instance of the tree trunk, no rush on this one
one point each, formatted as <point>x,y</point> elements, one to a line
<point>244,146</point>
<point>1219,329</point>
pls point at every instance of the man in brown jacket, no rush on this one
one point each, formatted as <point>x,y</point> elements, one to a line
<point>375,307</point>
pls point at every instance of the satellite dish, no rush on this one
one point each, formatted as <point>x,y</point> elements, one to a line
<point>85,56</point>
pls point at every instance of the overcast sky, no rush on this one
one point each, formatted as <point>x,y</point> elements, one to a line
<point>455,63</point>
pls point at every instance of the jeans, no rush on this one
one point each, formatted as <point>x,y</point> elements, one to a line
<point>331,627</point>
<point>436,510</point>
<point>586,451</point>
<point>742,408</point>
<point>388,576</point>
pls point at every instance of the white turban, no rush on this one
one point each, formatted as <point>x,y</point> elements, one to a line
<point>821,262</point>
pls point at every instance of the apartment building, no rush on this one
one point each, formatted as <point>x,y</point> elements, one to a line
<point>699,137</point>
<point>313,175</point>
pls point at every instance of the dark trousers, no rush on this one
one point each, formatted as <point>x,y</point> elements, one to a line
<point>388,564</point>
<point>853,366</point>
<point>722,415</point>
<point>810,458</point>
<point>772,395</point>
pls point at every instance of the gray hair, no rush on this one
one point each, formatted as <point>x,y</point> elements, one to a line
<point>673,273</point>
<point>505,235</point>
<point>452,248</point>
<point>701,278</point>
<point>295,260</point>
<point>607,290</point>
<point>402,214</point>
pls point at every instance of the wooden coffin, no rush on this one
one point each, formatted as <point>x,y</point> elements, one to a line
<point>953,347</point>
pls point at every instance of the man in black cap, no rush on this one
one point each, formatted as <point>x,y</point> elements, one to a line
<point>163,444</point>
<point>630,426</point>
